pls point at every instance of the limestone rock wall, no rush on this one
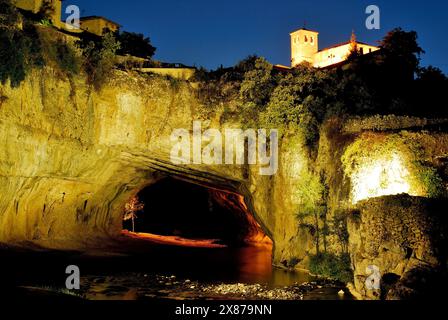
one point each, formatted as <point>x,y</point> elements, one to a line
<point>71,157</point>
<point>400,235</point>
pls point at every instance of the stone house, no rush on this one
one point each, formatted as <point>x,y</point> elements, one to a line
<point>93,24</point>
<point>98,25</point>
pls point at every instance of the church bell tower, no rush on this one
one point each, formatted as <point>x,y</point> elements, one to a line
<point>304,45</point>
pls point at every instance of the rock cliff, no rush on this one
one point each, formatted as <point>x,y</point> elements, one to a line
<point>72,157</point>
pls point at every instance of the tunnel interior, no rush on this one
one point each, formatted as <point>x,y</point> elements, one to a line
<point>173,207</point>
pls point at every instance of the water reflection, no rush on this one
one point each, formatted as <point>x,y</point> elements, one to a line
<point>254,264</point>
<point>203,261</point>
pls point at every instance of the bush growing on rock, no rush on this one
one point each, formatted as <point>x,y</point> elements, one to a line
<point>332,266</point>
<point>135,44</point>
<point>27,44</point>
<point>58,53</point>
<point>413,169</point>
<point>99,58</point>
<point>20,49</point>
<point>298,103</point>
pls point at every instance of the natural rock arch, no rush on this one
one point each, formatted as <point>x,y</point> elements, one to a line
<point>72,157</point>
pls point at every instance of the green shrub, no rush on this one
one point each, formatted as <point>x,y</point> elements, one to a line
<point>12,57</point>
<point>99,58</point>
<point>9,16</point>
<point>339,227</point>
<point>258,84</point>
<point>58,53</point>
<point>66,58</point>
<point>135,44</point>
<point>45,12</point>
<point>20,52</point>
<point>413,150</point>
<point>358,124</point>
<point>429,177</point>
<point>299,102</point>
<point>19,49</point>
<point>46,23</point>
<point>332,266</point>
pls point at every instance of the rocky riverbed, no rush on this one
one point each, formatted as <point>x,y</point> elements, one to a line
<point>139,286</point>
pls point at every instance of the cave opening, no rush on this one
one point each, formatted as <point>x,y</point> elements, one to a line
<point>179,212</point>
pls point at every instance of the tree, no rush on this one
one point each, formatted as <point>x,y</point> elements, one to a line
<point>401,53</point>
<point>339,228</point>
<point>12,57</point>
<point>383,81</point>
<point>258,82</point>
<point>99,58</point>
<point>431,74</point>
<point>299,101</point>
<point>135,44</point>
<point>130,210</point>
<point>256,88</point>
<point>19,45</point>
<point>46,11</point>
<point>429,90</point>
<point>354,50</point>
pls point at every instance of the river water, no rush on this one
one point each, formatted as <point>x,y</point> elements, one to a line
<point>203,265</point>
<point>137,270</point>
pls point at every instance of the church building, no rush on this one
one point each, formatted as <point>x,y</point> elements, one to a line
<point>305,48</point>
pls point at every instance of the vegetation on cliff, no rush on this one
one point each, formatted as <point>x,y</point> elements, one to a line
<point>134,44</point>
<point>20,50</point>
<point>337,267</point>
<point>30,41</point>
<point>371,93</point>
<point>99,58</point>
<point>404,149</point>
<point>308,105</point>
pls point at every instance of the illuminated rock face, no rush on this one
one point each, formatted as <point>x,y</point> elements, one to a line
<point>387,175</point>
<point>381,164</point>
<point>71,158</point>
<point>36,5</point>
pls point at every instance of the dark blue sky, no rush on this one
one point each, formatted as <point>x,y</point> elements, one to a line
<point>210,33</point>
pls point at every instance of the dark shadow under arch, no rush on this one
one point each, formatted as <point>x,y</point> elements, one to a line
<point>174,207</point>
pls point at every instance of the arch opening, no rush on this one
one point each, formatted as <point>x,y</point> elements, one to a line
<point>173,211</point>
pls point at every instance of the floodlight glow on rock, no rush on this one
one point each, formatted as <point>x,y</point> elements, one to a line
<point>386,175</point>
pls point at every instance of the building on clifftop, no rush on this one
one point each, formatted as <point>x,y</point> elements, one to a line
<point>305,48</point>
<point>93,24</point>
<point>98,25</point>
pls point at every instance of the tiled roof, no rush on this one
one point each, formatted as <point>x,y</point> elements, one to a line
<point>98,18</point>
<point>345,43</point>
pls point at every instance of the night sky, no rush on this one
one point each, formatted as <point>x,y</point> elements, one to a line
<point>210,33</point>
